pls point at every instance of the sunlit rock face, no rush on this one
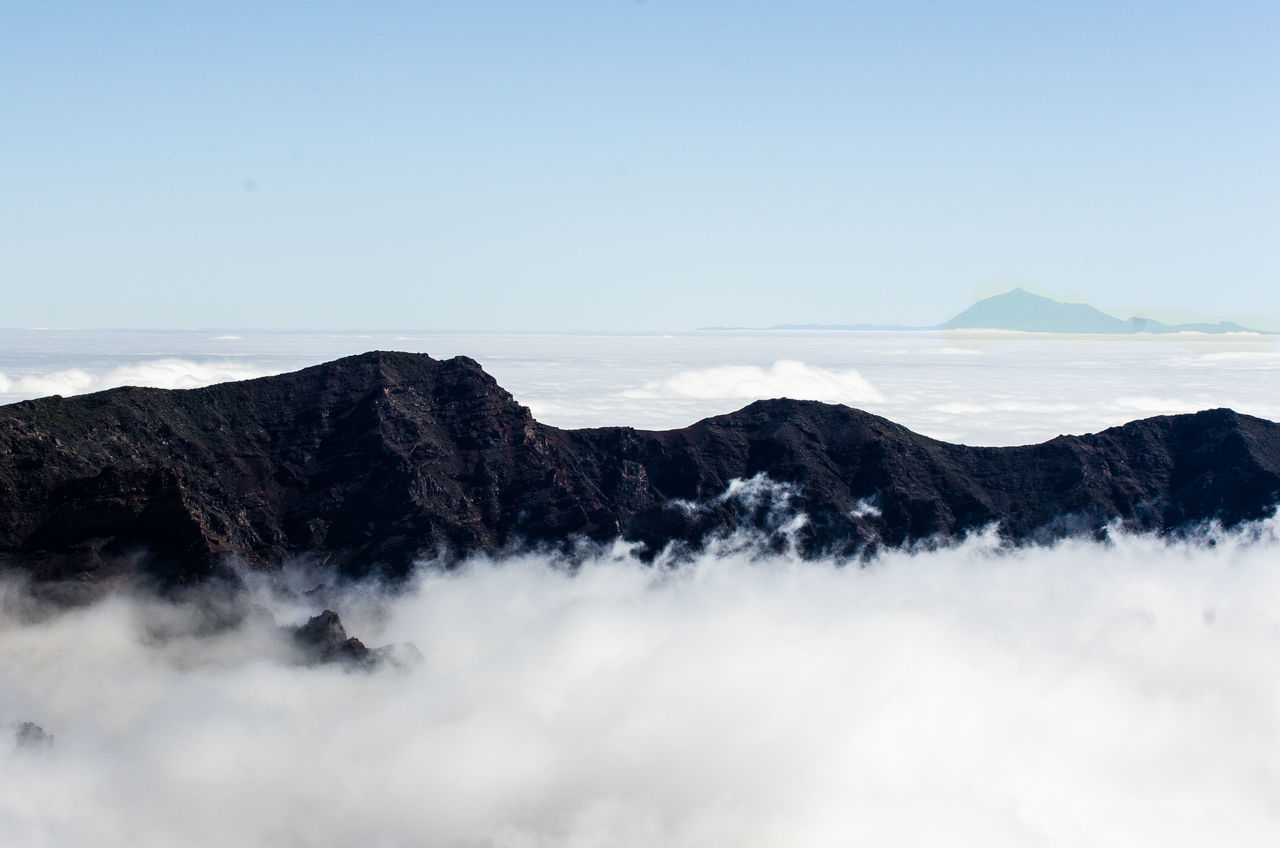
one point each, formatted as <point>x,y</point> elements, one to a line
<point>370,462</point>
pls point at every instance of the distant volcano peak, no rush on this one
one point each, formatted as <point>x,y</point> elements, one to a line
<point>1019,309</point>
<point>1028,312</point>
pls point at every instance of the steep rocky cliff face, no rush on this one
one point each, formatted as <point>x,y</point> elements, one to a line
<point>372,461</point>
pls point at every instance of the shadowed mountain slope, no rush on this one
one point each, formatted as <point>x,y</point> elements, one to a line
<point>372,461</point>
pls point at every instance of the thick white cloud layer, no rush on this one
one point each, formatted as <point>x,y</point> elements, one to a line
<point>1114,694</point>
<point>784,378</point>
<point>163,373</point>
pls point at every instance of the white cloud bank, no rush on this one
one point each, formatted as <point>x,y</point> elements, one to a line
<point>1087,694</point>
<point>166,373</point>
<point>1002,391</point>
<point>784,378</point>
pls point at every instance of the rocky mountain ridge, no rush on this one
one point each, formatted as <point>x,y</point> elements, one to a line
<point>373,461</point>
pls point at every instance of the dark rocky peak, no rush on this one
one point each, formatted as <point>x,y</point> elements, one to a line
<point>814,416</point>
<point>457,386</point>
<point>380,369</point>
<point>324,639</point>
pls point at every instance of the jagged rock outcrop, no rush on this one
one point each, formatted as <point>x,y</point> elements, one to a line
<point>324,639</point>
<point>372,461</point>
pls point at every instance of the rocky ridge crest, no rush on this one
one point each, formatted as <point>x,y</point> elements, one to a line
<point>373,461</point>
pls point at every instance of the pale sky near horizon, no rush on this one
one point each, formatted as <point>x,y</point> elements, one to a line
<point>622,165</point>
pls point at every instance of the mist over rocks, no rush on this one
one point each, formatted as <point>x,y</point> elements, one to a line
<point>29,736</point>
<point>369,463</point>
<point>324,639</point>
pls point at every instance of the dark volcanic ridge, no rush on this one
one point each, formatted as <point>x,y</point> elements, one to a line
<point>370,463</point>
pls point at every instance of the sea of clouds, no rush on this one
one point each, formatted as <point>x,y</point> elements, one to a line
<point>1116,693</point>
<point>164,373</point>
<point>1104,693</point>
<point>974,387</point>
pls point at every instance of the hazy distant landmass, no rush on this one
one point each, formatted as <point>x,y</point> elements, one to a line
<point>1023,311</point>
<point>829,327</point>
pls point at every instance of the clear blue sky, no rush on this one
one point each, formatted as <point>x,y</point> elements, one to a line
<point>624,165</point>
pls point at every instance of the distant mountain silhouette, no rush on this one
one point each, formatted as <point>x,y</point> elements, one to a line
<point>1021,310</point>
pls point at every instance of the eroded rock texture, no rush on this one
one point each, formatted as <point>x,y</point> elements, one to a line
<point>372,461</point>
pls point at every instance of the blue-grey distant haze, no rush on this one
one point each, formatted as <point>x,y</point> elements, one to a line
<point>620,165</point>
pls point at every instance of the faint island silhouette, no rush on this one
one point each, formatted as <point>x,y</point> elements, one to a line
<point>1022,311</point>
